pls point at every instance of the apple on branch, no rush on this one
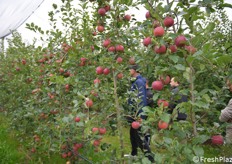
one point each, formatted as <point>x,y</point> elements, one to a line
<point>147,41</point>
<point>135,124</point>
<point>102,11</point>
<point>168,21</point>
<point>158,31</point>
<point>127,17</point>
<point>162,125</point>
<point>157,85</point>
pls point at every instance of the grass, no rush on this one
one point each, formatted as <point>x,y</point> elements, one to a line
<point>9,152</point>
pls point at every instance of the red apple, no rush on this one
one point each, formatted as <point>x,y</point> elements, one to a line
<point>119,48</point>
<point>92,48</point>
<point>162,125</point>
<point>41,60</point>
<point>106,71</point>
<point>102,130</point>
<point>24,61</point>
<point>17,69</point>
<point>83,59</point>
<point>33,150</point>
<point>111,49</point>
<point>99,70</point>
<point>160,50</point>
<point>64,155</point>
<point>96,142</point>
<point>180,41</point>
<point>120,75</point>
<point>94,93</point>
<point>96,81</point>
<point>100,28</point>
<point>89,103</point>
<point>67,74</point>
<point>127,17</point>
<point>78,145</point>
<point>66,86</point>
<point>157,85</point>
<point>119,60</point>
<point>173,48</point>
<point>135,125</point>
<point>69,154</point>
<point>94,33</point>
<point>51,56</point>
<point>106,43</point>
<point>168,21</point>
<point>164,102</point>
<point>147,41</point>
<point>158,31</point>
<point>77,119</point>
<point>190,49</point>
<point>82,63</point>
<point>95,130</point>
<point>217,140</point>
<point>107,8</point>
<point>166,80</point>
<point>147,15</point>
<point>156,23</point>
<point>61,70</point>
<point>102,11</point>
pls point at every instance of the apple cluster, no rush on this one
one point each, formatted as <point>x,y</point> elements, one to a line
<point>160,28</point>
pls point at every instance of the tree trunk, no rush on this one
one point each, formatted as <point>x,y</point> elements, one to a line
<point>118,111</point>
<point>192,112</point>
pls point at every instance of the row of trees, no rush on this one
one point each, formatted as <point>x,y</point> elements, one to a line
<point>61,97</point>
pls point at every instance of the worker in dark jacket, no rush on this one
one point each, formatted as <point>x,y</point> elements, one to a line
<point>137,101</point>
<point>150,101</point>
<point>176,99</point>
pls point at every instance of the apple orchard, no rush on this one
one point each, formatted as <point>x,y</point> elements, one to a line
<point>69,98</point>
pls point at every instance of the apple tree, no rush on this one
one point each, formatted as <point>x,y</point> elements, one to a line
<point>72,92</point>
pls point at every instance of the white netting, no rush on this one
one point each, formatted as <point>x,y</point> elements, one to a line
<point>14,12</point>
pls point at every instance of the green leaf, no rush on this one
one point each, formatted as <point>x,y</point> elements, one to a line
<point>224,60</point>
<point>115,2</point>
<point>202,66</point>
<point>180,67</point>
<point>167,140</point>
<point>165,117</point>
<point>174,58</point>
<point>199,151</point>
<point>159,158</point>
<point>201,104</point>
<point>193,9</point>
<point>75,102</point>
<point>210,27</point>
<point>54,6</point>
<point>190,58</point>
<point>225,5</point>
<point>200,139</point>
<point>155,97</point>
<point>65,119</point>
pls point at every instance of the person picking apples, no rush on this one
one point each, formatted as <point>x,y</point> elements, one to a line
<point>226,116</point>
<point>176,99</point>
<point>150,101</point>
<point>136,101</point>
